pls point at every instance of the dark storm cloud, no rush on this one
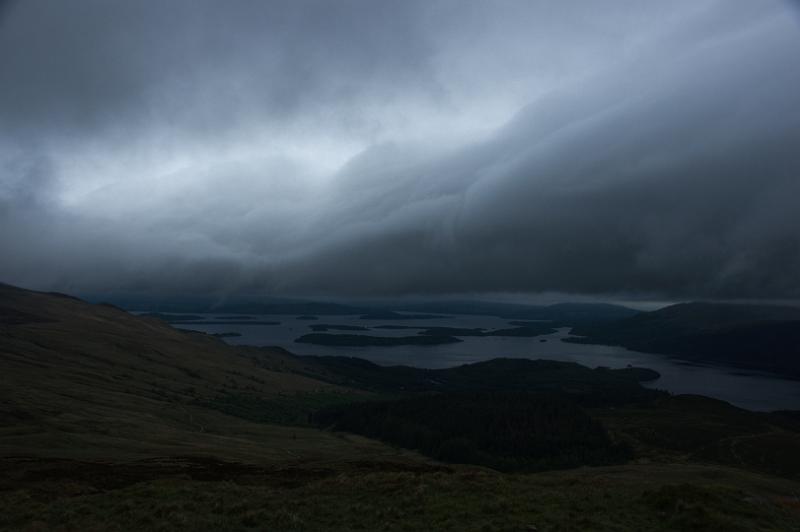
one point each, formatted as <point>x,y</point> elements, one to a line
<point>94,64</point>
<point>363,147</point>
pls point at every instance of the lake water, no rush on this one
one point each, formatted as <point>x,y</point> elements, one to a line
<point>751,390</point>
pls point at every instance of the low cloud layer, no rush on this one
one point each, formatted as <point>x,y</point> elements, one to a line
<point>382,148</point>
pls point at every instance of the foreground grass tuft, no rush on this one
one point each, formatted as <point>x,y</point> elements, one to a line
<point>598,499</point>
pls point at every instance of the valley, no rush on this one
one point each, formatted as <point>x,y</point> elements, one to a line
<point>109,419</point>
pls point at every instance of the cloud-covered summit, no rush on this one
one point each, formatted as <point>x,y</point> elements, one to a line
<point>379,148</point>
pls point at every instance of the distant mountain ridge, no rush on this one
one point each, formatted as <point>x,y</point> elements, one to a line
<point>761,337</point>
<point>563,313</point>
<point>560,313</point>
<point>243,306</point>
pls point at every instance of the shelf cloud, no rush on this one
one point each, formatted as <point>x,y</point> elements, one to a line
<point>358,148</point>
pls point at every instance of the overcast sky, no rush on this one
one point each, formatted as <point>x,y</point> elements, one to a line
<point>622,148</point>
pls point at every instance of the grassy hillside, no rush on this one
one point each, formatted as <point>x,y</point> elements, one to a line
<point>92,381</point>
<point>110,421</point>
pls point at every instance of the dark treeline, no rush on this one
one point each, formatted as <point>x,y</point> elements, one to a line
<point>367,340</point>
<point>529,330</point>
<point>508,431</point>
<point>324,327</point>
<point>588,387</point>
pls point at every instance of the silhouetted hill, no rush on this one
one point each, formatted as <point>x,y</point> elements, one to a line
<point>561,313</point>
<point>391,315</point>
<point>600,385</point>
<point>762,337</point>
<point>525,329</point>
<point>325,327</point>
<point>232,305</point>
<point>367,340</point>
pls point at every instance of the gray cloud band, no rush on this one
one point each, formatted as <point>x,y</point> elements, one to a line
<point>656,153</point>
